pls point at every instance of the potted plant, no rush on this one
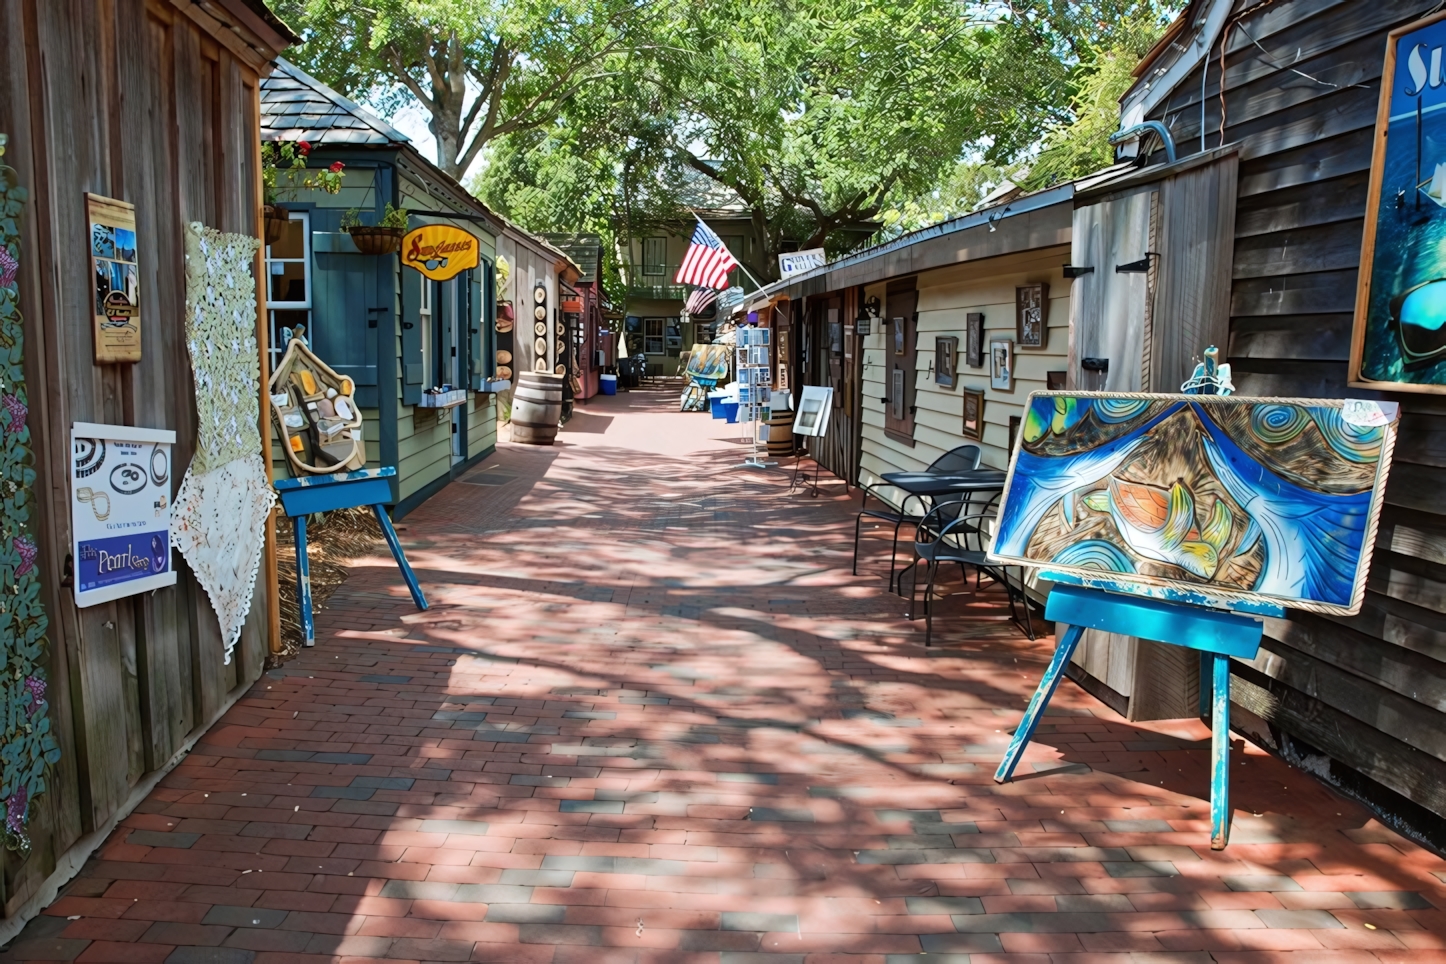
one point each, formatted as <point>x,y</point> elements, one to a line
<point>284,174</point>
<point>384,237</point>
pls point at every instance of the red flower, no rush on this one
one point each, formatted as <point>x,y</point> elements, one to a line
<point>304,148</point>
<point>336,168</point>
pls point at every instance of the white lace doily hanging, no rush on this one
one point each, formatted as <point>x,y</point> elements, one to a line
<point>219,522</point>
<point>220,527</point>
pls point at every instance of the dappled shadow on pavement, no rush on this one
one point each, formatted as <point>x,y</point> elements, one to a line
<point>651,716</point>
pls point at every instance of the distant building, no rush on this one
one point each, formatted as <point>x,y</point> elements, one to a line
<point>653,306</point>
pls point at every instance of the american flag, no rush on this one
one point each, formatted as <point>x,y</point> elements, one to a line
<point>707,261</point>
<point>699,300</point>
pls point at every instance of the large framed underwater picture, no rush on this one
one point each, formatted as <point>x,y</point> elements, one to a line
<point>1398,342</point>
<point>1215,500</point>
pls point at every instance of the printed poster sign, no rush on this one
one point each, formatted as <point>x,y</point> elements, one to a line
<point>117,279</point>
<point>120,510</point>
<point>440,251</point>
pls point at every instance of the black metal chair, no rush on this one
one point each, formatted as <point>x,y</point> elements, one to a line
<point>965,458</point>
<point>945,534</point>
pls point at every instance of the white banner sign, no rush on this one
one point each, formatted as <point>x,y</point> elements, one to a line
<point>120,510</point>
<point>797,262</point>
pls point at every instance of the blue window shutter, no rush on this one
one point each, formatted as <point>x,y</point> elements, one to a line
<point>343,298</point>
<point>412,373</point>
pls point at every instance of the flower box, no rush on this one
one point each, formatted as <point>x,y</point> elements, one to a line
<point>449,399</point>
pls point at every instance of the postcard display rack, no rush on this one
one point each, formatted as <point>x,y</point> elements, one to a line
<point>755,382</point>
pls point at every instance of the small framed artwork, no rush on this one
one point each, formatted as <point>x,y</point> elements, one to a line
<point>974,339</point>
<point>973,414</point>
<point>1055,381</point>
<point>1031,314</point>
<point>1013,431</point>
<point>946,354</point>
<point>1001,366</point>
<point>899,336</point>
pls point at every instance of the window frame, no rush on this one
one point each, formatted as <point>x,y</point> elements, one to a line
<point>276,349</point>
<point>425,321</point>
<point>650,338</point>
<point>655,269</point>
<point>305,261</point>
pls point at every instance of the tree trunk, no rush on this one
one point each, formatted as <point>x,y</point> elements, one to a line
<point>445,126</point>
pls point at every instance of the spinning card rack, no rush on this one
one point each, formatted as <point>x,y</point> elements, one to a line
<point>754,389</point>
<point>344,490</point>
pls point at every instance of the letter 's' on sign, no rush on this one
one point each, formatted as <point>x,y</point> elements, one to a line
<point>439,251</point>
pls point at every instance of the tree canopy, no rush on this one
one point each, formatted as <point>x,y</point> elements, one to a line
<point>823,118</point>
<point>482,69</point>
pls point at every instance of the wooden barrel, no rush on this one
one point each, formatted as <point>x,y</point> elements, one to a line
<point>536,408</point>
<point>780,434</point>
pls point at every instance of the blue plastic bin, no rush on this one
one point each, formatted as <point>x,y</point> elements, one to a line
<point>715,404</point>
<point>607,384</point>
<point>730,410</point>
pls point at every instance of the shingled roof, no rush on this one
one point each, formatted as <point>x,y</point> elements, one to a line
<point>295,106</point>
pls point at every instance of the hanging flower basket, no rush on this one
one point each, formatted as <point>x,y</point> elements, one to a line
<point>274,219</point>
<point>376,240</point>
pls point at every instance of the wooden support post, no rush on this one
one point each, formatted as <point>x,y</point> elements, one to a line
<point>1220,754</point>
<point>303,582</point>
<point>1047,685</point>
<point>392,543</point>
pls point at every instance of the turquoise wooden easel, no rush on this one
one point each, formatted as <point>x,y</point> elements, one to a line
<point>1214,632</point>
<point>344,490</point>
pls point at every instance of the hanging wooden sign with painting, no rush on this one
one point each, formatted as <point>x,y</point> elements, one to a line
<point>117,279</point>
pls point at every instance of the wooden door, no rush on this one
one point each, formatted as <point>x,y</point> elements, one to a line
<point>344,317</point>
<point>1109,306</point>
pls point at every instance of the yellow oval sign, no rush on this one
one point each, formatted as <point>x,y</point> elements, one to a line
<point>439,251</point>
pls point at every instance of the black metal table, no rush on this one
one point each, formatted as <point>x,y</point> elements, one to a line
<point>935,485</point>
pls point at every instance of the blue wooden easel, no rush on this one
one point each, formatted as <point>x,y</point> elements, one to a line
<point>1218,634</point>
<point>344,490</point>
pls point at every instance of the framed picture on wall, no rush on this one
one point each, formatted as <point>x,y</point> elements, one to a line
<point>899,335</point>
<point>974,339</point>
<point>1001,366</point>
<point>946,353</point>
<point>1031,314</point>
<point>973,414</point>
<point>1013,431</point>
<point>1055,381</point>
<point>1398,341</point>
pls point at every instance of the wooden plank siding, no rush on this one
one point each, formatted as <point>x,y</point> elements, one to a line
<point>945,297</point>
<point>1361,700</point>
<point>151,102</point>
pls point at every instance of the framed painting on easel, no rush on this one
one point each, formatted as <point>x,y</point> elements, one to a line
<point>1398,340</point>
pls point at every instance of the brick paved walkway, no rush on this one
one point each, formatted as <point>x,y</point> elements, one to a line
<point>651,717</point>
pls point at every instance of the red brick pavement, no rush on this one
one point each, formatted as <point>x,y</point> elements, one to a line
<point>651,717</point>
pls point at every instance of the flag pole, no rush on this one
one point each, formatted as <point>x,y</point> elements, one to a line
<point>741,266</point>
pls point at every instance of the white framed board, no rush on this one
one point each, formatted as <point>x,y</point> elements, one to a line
<point>120,510</point>
<point>814,406</point>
